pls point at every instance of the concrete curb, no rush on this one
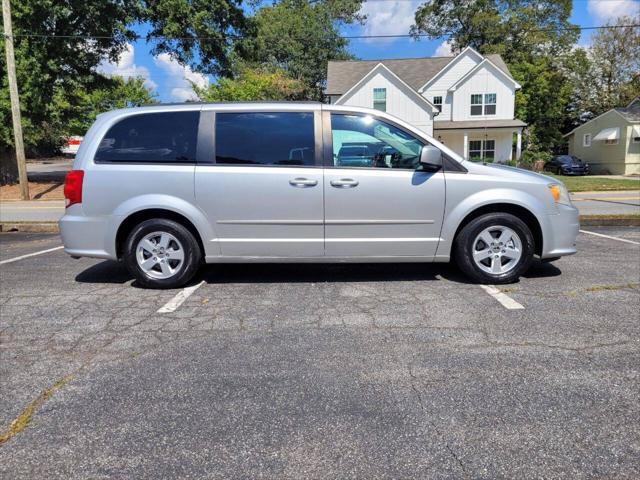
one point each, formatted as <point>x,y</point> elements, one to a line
<point>30,227</point>
<point>606,221</point>
<point>585,220</point>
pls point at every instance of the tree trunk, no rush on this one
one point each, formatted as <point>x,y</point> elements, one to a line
<point>8,166</point>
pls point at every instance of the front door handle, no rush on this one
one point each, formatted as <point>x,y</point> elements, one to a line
<point>303,182</point>
<point>344,183</point>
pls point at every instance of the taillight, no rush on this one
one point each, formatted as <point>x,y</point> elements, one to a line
<point>73,187</point>
<point>73,141</point>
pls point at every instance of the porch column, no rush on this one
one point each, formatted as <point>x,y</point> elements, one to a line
<point>465,148</point>
<point>518,144</point>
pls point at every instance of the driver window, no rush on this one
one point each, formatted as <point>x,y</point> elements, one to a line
<point>363,141</point>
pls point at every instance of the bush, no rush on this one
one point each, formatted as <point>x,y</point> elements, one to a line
<point>530,158</point>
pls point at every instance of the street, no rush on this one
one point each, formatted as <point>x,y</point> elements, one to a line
<point>321,371</point>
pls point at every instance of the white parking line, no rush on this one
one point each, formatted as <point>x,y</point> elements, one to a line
<point>178,300</point>
<point>15,259</point>
<point>506,301</point>
<point>610,237</point>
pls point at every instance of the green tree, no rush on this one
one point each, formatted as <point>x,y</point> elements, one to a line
<point>610,78</point>
<point>47,66</point>
<point>199,33</point>
<point>106,94</point>
<point>300,37</point>
<point>253,84</point>
<point>59,44</point>
<point>534,37</point>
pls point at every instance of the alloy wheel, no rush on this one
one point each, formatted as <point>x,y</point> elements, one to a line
<point>497,250</point>
<point>160,255</point>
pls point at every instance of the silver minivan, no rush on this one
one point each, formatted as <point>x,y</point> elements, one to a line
<point>166,188</point>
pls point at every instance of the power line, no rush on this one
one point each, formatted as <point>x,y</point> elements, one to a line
<point>346,37</point>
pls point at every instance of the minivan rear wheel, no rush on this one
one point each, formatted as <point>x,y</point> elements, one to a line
<point>494,248</point>
<point>162,253</point>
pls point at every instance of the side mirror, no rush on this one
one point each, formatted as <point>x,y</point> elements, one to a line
<point>431,157</point>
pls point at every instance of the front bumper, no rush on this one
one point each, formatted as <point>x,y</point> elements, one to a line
<point>560,232</point>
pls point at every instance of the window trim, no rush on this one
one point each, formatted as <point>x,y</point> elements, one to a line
<point>483,104</point>
<point>586,140</point>
<point>119,119</point>
<point>438,105</point>
<point>210,137</point>
<point>483,149</point>
<point>384,89</point>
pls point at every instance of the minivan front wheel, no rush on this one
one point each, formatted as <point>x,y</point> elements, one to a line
<point>495,248</point>
<point>162,253</point>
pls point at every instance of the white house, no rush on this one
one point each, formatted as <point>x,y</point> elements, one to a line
<point>466,101</point>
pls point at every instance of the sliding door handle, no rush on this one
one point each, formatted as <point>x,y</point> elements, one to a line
<point>344,183</point>
<point>303,182</point>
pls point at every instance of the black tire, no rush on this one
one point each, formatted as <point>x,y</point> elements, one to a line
<point>192,255</point>
<point>464,246</point>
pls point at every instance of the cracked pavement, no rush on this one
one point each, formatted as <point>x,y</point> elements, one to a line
<point>322,371</point>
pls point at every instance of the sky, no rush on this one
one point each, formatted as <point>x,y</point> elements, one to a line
<point>171,81</point>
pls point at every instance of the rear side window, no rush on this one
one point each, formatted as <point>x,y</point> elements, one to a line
<point>285,139</point>
<point>168,137</point>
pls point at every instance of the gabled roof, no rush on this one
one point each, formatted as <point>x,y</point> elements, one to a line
<point>631,113</point>
<point>381,67</point>
<point>415,72</point>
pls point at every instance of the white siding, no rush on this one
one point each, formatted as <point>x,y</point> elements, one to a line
<point>485,80</point>
<point>453,72</point>
<point>449,77</point>
<point>399,101</point>
<point>447,100</point>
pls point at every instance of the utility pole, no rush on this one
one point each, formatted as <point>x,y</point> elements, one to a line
<point>15,100</point>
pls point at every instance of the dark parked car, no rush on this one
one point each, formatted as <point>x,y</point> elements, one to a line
<point>567,165</point>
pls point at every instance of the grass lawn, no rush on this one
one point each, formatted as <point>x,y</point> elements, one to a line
<point>591,184</point>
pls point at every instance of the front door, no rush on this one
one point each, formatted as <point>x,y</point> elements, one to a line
<point>378,201</point>
<point>264,193</point>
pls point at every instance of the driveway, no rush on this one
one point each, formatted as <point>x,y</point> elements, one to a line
<point>321,371</point>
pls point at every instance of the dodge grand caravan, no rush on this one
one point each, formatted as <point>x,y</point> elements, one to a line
<point>166,188</point>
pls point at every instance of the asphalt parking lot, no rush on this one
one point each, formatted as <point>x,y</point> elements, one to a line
<point>321,371</point>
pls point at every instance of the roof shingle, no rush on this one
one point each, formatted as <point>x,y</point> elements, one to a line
<point>342,75</point>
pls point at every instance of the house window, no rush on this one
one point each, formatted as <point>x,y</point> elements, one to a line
<point>483,103</point>
<point>482,150</point>
<point>586,140</point>
<point>437,101</point>
<point>380,99</point>
<point>613,141</point>
<point>489,103</point>
<point>636,139</point>
<point>476,104</point>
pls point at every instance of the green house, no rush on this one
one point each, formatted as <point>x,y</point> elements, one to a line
<point>610,143</point>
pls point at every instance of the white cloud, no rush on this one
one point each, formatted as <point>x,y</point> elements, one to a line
<point>179,76</point>
<point>443,50</point>
<point>388,17</point>
<point>126,67</point>
<point>608,11</point>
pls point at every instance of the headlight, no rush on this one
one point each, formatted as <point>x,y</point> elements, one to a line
<point>559,193</point>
